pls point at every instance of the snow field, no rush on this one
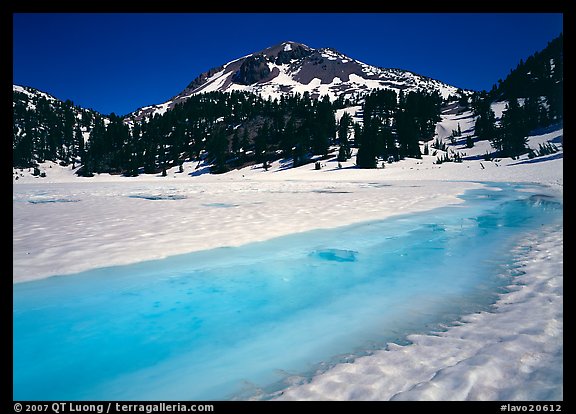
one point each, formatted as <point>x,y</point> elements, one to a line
<point>112,223</point>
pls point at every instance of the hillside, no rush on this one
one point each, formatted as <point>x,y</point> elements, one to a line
<point>48,129</point>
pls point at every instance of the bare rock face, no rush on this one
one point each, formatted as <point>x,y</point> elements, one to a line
<point>202,78</point>
<point>294,52</point>
<point>256,68</point>
<point>253,69</point>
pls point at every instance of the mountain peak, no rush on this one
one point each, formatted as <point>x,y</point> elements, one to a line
<point>293,67</point>
<point>285,52</point>
<point>285,46</point>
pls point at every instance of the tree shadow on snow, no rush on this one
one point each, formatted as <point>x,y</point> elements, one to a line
<point>555,156</point>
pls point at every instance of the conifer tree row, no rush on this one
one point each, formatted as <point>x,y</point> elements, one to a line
<point>45,129</point>
<point>533,93</point>
<point>395,124</point>
<point>229,130</point>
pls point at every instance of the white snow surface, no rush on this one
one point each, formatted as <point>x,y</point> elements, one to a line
<point>64,224</point>
<point>67,227</point>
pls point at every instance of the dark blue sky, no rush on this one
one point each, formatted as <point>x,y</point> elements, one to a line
<point>120,62</point>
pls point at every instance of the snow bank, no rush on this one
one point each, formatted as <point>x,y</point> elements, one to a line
<point>514,352</point>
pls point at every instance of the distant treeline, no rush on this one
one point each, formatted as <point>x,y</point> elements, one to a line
<point>227,130</point>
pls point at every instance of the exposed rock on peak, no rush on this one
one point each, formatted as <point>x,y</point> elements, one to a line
<point>253,69</point>
<point>292,67</point>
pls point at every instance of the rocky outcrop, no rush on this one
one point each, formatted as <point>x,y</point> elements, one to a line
<point>253,69</point>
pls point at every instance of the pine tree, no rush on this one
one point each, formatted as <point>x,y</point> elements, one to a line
<point>245,141</point>
<point>261,143</point>
<point>298,154</point>
<point>532,113</point>
<point>236,142</point>
<point>78,145</point>
<point>485,126</point>
<point>462,98</point>
<point>366,155</point>
<point>322,127</point>
<point>217,147</point>
<point>425,150</point>
<point>344,153</point>
<point>407,131</point>
<point>512,137</point>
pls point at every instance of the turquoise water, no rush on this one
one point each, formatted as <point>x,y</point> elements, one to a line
<point>242,322</point>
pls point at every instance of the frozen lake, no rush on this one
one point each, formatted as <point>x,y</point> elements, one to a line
<point>243,322</point>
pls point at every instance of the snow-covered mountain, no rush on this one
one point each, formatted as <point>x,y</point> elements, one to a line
<point>32,94</point>
<point>47,128</point>
<point>292,67</point>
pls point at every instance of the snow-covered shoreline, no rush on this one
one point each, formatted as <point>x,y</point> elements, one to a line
<point>97,225</point>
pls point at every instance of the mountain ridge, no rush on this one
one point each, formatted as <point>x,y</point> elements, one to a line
<point>293,67</point>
